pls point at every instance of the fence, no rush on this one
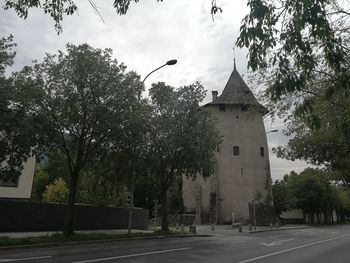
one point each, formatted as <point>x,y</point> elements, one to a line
<point>16,216</point>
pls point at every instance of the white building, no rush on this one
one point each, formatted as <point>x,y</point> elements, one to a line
<point>243,169</point>
<point>22,187</point>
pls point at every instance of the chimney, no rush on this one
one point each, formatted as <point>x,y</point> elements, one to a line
<point>214,93</point>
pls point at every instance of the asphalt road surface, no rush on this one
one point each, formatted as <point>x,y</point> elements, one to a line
<point>330,244</point>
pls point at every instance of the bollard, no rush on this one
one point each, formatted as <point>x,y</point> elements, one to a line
<point>240,228</point>
<point>182,228</point>
<point>250,227</point>
<point>212,227</point>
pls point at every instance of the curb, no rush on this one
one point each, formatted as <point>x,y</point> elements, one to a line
<point>87,242</point>
<point>277,229</point>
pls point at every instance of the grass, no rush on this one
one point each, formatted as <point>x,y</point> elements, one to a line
<point>59,238</point>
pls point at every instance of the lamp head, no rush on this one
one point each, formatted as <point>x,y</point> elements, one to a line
<point>171,62</point>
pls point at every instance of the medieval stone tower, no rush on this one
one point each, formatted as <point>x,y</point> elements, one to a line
<point>243,170</point>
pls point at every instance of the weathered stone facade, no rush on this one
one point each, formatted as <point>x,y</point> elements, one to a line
<point>243,170</point>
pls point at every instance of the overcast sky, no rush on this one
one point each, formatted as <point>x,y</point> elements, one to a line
<point>149,35</point>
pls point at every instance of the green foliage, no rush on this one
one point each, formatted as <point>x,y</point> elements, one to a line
<point>175,196</point>
<point>311,191</point>
<point>40,181</point>
<point>16,133</point>
<point>327,144</point>
<point>56,192</point>
<point>285,35</point>
<point>281,200</point>
<point>81,106</point>
<point>98,190</point>
<point>181,138</point>
<point>301,50</point>
<point>58,9</point>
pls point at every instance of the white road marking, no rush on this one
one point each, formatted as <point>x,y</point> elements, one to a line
<point>134,255</point>
<point>276,243</point>
<point>21,259</point>
<point>238,242</point>
<point>291,249</point>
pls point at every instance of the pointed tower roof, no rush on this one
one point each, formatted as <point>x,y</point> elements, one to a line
<point>236,92</point>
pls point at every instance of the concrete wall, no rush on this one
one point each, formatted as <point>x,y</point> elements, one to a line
<point>25,181</point>
<point>240,179</point>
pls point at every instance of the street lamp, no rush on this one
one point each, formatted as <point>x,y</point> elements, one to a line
<point>168,63</point>
<point>253,202</point>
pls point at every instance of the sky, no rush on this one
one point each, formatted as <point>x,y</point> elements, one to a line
<point>149,35</point>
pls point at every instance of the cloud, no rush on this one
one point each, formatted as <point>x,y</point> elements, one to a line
<point>150,34</point>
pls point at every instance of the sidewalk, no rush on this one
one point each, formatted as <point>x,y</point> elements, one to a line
<point>50,233</point>
<point>219,230</point>
<point>228,230</point>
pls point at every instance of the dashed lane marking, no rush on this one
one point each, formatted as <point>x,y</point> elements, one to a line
<point>133,255</point>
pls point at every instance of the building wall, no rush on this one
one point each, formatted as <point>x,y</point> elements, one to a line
<point>25,181</point>
<point>240,179</point>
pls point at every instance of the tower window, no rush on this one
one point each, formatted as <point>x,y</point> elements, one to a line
<point>262,151</point>
<point>235,150</point>
<point>222,107</point>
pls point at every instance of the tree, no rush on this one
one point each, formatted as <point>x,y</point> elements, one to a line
<point>181,139</point>
<point>56,192</point>
<point>16,133</point>
<point>80,101</point>
<point>58,9</point>
<point>320,137</point>
<point>281,199</point>
<point>284,37</point>
<point>300,50</point>
<point>312,192</point>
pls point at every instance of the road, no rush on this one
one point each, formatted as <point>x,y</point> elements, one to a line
<point>316,244</point>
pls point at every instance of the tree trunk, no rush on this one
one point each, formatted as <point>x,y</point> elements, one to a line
<point>332,218</point>
<point>164,201</point>
<point>68,220</point>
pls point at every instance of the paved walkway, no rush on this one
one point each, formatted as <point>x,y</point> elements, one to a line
<point>228,230</point>
<point>49,233</point>
<point>219,230</point>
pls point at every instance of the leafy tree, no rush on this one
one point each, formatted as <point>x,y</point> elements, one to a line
<point>285,35</point>
<point>327,144</point>
<point>40,181</point>
<point>106,185</point>
<point>281,199</point>
<point>312,192</point>
<point>16,133</point>
<point>181,139</point>
<point>56,192</point>
<point>301,51</point>
<point>343,203</point>
<point>81,102</point>
<point>58,9</point>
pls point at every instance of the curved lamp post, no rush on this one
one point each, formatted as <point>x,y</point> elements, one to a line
<point>253,202</point>
<point>168,63</point>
